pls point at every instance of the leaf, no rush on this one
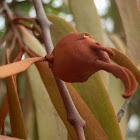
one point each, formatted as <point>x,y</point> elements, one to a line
<point>115,89</point>
<point>16,118</point>
<point>93,129</point>
<point>119,44</point>
<point>29,111</point>
<point>56,32</point>
<point>3,111</point>
<point>8,138</point>
<point>50,120</point>
<point>86,18</point>
<point>18,67</point>
<point>130,16</point>
<point>123,60</point>
<point>93,91</point>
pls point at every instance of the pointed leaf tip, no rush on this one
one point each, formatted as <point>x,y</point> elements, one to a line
<point>18,67</point>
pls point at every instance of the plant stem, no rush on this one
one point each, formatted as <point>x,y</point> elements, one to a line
<point>123,109</point>
<point>72,114</point>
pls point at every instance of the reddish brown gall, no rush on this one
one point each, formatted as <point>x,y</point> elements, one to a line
<point>77,56</point>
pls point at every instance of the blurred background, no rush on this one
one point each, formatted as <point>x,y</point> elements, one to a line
<point>111,23</point>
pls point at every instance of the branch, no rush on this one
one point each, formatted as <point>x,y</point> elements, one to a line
<point>17,36</point>
<point>123,109</point>
<point>72,114</point>
<point>4,37</point>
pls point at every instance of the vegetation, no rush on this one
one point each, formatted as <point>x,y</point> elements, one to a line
<point>40,105</point>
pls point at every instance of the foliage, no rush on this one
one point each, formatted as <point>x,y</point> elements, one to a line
<point>45,109</point>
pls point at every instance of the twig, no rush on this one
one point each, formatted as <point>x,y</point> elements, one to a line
<point>1,10</point>
<point>12,44</point>
<point>14,27</point>
<point>32,20</point>
<point>123,109</point>
<point>72,114</point>
<point>23,24</point>
<point>3,129</point>
<point>4,37</point>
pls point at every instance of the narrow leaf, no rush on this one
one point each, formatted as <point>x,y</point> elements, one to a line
<point>50,120</point>
<point>17,67</point>
<point>86,18</point>
<point>29,110</point>
<point>16,118</point>
<point>3,111</point>
<point>130,15</point>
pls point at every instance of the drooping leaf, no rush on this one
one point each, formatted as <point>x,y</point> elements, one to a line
<point>93,129</point>
<point>130,16</point>
<point>93,91</point>
<point>50,120</point>
<point>3,111</point>
<point>29,111</point>
<point>116,88</point>
<point>16,118</point>
<point>123,60</point>
<point>17,67</point>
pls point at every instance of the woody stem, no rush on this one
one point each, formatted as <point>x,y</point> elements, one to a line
<point>72,114</point>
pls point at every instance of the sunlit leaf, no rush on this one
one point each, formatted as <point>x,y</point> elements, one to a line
<point>17,67</point>
<point>16,118</point>
<point>130,16</point>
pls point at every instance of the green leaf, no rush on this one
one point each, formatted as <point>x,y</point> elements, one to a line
<point>130,16</point>
<point>16,117</point>
<point>28,107</point>
<point>86,18</point>
<point>57,33</point>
